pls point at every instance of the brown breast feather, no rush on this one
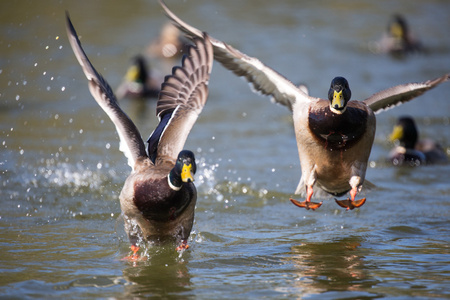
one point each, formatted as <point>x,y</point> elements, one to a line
<point>337,132</point>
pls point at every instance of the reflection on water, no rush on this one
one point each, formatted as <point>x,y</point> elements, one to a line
<point>331,266</point>
<point>164,274</point>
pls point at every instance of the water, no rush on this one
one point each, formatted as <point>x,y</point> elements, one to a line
<point>61,171</point>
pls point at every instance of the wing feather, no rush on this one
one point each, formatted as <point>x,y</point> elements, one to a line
<point>183,96</point>
<point>262,78</point>
<point>131,143</point>
<point>399,94</point>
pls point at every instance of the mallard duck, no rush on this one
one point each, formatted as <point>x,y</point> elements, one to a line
<point>398,39</point>
<point>334,135</point>
<point>142,80</point>
<point>158,197</point>
<point>410,150</point>
<point>139,81</point>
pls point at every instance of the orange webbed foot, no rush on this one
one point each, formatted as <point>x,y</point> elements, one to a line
<point>183,246</point>
<point>134,256</point>
<point>350,204</point>
<point>306,204</point>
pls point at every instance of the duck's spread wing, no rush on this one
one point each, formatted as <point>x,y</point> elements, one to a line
<point>401,93</point>
<point>183,95</point>
<point>131,142</point>
<point>262,78</point>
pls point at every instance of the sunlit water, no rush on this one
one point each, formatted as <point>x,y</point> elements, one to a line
<point>61,171</point>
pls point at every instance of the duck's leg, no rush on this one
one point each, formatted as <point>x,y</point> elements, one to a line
<point>307,203</point>
<point>183,245</point>
<point>351,203</point>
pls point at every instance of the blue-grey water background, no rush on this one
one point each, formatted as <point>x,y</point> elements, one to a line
<point>61,170</point>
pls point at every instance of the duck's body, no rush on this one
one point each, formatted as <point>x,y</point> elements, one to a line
<point>330,140</point>
<point>433,151</point>
<point>160,212</point>
<point>412,151</point>
<point>158,198</point>
<point>334,135</point>
<point>400,156</point>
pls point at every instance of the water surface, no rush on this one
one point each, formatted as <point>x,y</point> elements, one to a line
<point>61,171</point>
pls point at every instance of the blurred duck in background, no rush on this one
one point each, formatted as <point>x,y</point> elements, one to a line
<point>170,43</point>
<point>409,150</point>
<point>143,80</point>
<point>398,40</point>
<point>140,81</point>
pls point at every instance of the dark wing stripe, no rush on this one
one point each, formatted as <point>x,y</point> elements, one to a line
<point>130,139</point>
<point>399,94</point>
<point>154,138</point>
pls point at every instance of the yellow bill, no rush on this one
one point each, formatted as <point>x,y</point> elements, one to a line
<point>397,133</point>
<point>132,74</point>
<point>338,101</point>
<point>186,174</point>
